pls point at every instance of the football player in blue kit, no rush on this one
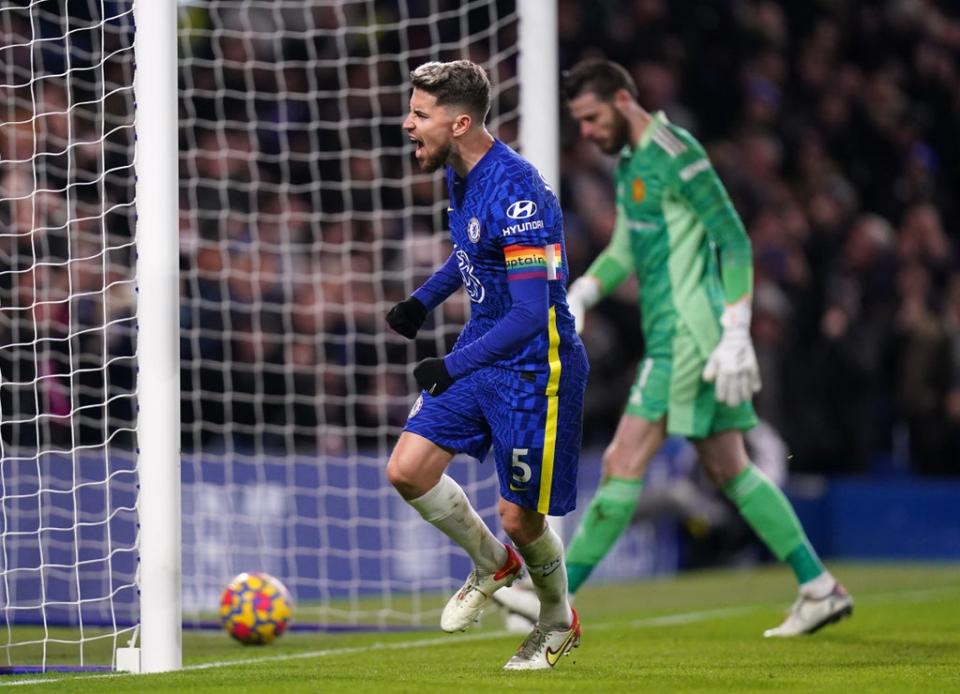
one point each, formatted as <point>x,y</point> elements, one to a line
<point>515,378</point>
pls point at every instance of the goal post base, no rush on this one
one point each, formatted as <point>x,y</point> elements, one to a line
<point>128,660</point>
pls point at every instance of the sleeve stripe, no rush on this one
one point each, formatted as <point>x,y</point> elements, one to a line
<point>691,170</point>
<point>669,142</point>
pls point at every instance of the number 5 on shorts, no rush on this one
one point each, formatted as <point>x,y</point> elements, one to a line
<point>520,471</point>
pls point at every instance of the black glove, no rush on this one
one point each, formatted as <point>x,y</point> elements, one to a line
<point>432,376</point>
<point>407,317</point>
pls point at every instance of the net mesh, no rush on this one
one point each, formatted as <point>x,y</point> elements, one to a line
<point>303,219</point>
<point>67,333</point>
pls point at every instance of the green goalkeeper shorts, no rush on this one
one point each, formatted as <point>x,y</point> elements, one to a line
<point>672,385</point>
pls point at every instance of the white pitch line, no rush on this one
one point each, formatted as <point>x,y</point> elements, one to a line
<point>690,617</point>
<point>665,620</point>
<point>682,618</point>
<point>650,622</point>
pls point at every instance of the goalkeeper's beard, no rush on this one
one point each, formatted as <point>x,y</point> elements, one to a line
<point>620,136</point>
<point>431,163</point>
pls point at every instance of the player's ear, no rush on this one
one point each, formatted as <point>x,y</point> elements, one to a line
<point>622,99</point>
<point>461,124</point>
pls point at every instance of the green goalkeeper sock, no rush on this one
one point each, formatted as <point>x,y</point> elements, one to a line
<point>605,519</point>
<point>770,514</point>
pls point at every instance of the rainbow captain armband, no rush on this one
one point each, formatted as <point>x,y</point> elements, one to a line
<point>534,262</point>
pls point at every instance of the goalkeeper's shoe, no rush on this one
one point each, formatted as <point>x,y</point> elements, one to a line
<point>466,605</point>
<point>544,646</point>
<point>808,614</point>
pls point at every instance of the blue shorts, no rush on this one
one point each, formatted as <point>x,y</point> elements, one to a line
<point>535,436</point>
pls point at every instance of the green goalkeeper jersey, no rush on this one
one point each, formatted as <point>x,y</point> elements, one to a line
<point>673,216</point>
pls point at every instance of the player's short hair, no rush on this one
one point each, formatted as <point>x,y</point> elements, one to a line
<point>602,77</point>
<point>459,82</point>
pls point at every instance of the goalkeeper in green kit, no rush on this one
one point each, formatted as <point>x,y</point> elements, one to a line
<point>678,231</point>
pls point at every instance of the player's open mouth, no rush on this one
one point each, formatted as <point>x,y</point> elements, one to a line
<point>420,146</point>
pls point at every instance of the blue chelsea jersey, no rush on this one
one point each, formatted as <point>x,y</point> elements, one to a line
<point>506,222</point>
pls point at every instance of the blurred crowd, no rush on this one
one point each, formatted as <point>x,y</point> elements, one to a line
<point>836,129</point>
<point>834,124</point>
<point>67,291</point>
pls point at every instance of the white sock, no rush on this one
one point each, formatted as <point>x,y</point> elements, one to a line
<point>818,587</point>
<point>447,507</point>
<point>544,558</point>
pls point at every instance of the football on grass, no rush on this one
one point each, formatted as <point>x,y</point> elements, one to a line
<point>255,608</point>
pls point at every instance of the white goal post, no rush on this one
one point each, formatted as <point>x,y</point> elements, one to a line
<point>539,75</point>
<point>158,424</point>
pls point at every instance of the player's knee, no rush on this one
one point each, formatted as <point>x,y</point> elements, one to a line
<point>395,473</point>
<point>403,478</point>
<point>723,471</point>
<point>521,525</point>
<point>620,461</point>
<point>722,456</point>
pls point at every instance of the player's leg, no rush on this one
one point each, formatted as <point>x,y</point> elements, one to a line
<point>542,550</point>
<point>611,509</point>
<point>557,630</point>
<point>416,470</point>
<point>435,427</point>
<point>768,511</point>
<point>537,429</point>
<point>639,435</point>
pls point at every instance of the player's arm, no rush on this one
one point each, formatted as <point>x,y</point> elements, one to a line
<point>407,316</point>
<point>605,273</point>
<point>527,316</point>
<point>700,186</point>
<point>732,365</point>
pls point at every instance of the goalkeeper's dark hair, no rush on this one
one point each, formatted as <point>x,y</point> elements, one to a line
<point>602,77</point>
<point>459,83</point>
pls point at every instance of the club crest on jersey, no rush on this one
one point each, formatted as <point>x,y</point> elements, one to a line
<point>522,209</point>
<point>416,407</point>
<point>473,230</point>
<point>639,190</point>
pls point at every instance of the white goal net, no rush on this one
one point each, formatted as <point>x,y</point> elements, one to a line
<point>303,219</point>
<point>68,525</point>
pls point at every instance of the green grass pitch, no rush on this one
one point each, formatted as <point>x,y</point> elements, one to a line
<point>694,633</point>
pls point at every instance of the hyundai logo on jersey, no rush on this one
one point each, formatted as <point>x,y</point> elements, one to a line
<point>522,209</point>
<point>522,226</point>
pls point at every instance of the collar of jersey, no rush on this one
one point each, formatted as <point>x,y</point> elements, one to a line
<point>485,161</point>
<point>657,121</point>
